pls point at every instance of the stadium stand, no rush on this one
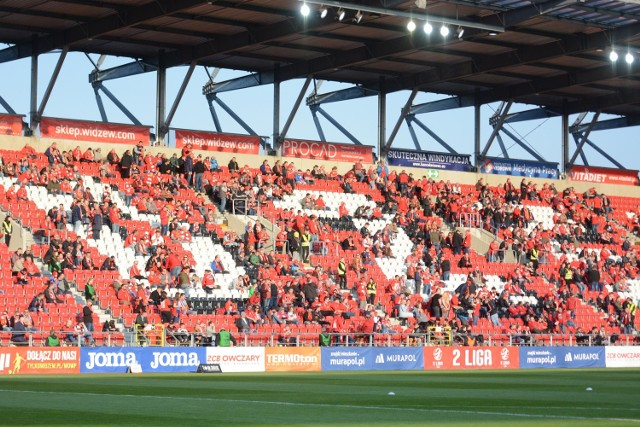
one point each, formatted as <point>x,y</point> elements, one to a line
<point>277,254</point>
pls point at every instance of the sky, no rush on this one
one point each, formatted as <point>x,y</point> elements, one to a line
<point>73,98</point>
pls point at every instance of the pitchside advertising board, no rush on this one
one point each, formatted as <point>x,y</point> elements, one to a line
<point>237,359</point>
<point>11,124</point>
<point>316,150</point>
<point>603,175</point>
<point>102,360</point>
<point>69,360</point>
<point>623,357</point>
<point>80,130</point>
<point>471,358</point>
<point>429,160</point>
<point>372,359</point>
<point>514,167</point>
<point>292,359</point>
<point>562,357</point>
<point>35,360</point>
<point>220,142</point>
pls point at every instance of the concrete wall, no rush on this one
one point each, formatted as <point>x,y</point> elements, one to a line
<point>39,144</point>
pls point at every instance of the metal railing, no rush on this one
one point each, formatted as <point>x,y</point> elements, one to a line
<point>159,336</point>
<point>470,220</point>
<point>73,338</point>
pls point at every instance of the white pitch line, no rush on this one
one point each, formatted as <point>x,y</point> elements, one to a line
<point>329,405</point>
<point>594,408</point>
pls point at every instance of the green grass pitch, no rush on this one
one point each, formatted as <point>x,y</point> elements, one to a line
<point>510,398</point>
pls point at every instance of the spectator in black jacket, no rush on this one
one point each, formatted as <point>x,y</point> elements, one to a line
<point>198,171</point>
<point>233,165</point>
<point>125,164</point>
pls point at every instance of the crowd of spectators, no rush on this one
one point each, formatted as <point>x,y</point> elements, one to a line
<point>284,287</point>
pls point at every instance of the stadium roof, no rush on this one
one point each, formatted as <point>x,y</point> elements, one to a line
<point>551,53</point>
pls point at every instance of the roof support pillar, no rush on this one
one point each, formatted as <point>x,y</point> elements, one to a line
<point>234,116</point>
<point>524,146</point>
<point>565,142</point>
<point>403,114</point>
<point>214,115</point>
<point>292,114</point>
<point>244,82</point>
<point>503,148</point>
<point>584,137</point>
<point>130,69</point>
<point>450,103</point>
<point>276,112</point>
<point>316,121</point>
<point>103,112</point>
<point>432,134</point>
<point>497,121</point>
<point>174,107</point>
<point>52,83</point>
<point>338,126</point>
<point>605,154</point>
<point>120,105</point>
<point>476,135</point>
<point>213,98</point>
<point>533,114</point>
<point>6,106</point>
<point>382,123</point>
<point>33,101</point>
<point>583,156</point>
<point>161,99</point>
<point>412,132</point>
<point>355,92</point>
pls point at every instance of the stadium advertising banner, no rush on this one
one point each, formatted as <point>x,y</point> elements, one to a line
<point>79,130</point>
<point>603,175</point>
<point>315,150</point>
<point>623,357</point>
<point>237,359</point>
<point>372,359</point>
<point>10,124</point>
<point>429,160</point>
<point>221,142</point>
<point>288,359</point>
<point>514,167</point>
<point>471,358</point>
<point>37,360</point>
<point>562,357</point>
<point>160,359</point>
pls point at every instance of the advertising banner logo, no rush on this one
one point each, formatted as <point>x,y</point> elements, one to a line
<point>603,175</point>
<point>10,124</point>
<point>287,359</point>
<point>514,167</point>
<point>79,130</point>
<point>398,359</point>
<point>237,359</point>
<point>110,360</point>
<point>222,142</point>
<point>315,150</point>
<point>471,358</point>
<point>429,160</point>
<point>623,357</point>
<point>371,359</point>
<point>33,360</point>
<point>562,357</point>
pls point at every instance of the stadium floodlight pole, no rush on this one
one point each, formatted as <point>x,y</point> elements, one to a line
<point>407,15</point>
